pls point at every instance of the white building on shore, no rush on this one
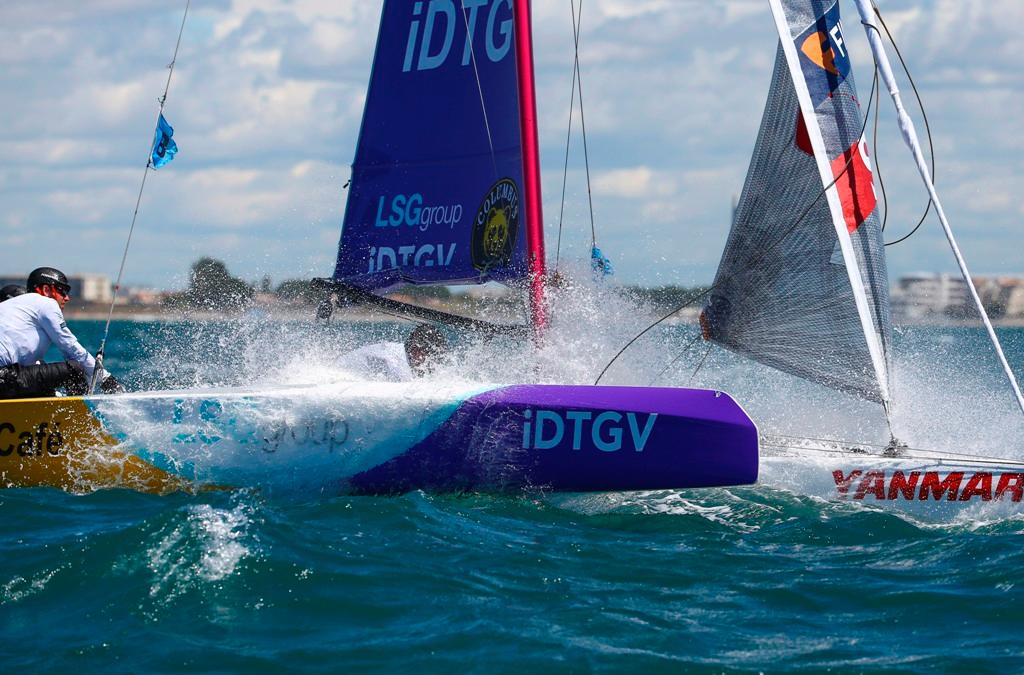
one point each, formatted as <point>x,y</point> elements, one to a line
<point>927,297</point>
<point>924,295</point>
<point>84,287</point>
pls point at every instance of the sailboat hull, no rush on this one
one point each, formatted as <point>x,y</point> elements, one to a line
<point>916,482</point>
<point>381,438</point>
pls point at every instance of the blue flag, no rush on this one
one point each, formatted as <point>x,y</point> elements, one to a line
<point>164,147</point>
<point>601,265</point>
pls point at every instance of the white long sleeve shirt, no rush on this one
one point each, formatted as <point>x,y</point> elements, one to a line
<point>29,324</point>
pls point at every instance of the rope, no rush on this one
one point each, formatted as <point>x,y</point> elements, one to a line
<point>135,213</point>
<point>927,127</point>
<point>764,252</point>
<point>914,145</point>
<point>878,164</point>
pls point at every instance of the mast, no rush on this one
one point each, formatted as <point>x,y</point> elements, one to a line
<point>531,165</point>
<point>867,17</point>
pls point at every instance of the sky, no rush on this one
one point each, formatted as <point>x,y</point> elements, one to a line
<point>266,100</point>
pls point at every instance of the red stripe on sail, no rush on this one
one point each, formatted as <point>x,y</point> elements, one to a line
<point>855,184</point>
<point>803,139</point>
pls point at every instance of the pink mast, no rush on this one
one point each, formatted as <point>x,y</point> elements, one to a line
<point>531,165</point>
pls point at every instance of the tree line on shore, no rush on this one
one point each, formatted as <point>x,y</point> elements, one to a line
<point>212,287</point>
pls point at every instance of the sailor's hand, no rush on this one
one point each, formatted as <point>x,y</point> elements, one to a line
<point>110,385</point>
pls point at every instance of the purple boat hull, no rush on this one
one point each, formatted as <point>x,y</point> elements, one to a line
<point>577,438</point>
<point>389,438</point>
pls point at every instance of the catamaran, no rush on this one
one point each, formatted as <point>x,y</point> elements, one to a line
<point>446,190</point>
<point>834,310</point>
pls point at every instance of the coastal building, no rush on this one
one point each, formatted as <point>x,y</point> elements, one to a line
<point>91,287</point>
<point>1002,296</point>
<point>924,296</point>
<point>931,297</point>
<point>140,296</point>
<point>1015,300</point>
<point>85,288</point>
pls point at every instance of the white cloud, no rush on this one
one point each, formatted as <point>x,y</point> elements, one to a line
<point>267,99</point>
<point>639,182</point>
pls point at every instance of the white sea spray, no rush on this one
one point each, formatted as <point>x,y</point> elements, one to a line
<point>204,544</point>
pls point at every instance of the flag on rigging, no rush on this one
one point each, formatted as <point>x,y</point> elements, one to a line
<point>164,147</point>
<point>601,266</point>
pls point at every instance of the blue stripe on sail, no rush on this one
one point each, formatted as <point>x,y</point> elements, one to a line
<point>435,198</point>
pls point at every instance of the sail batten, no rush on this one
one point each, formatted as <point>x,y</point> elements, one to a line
<point>802,282</point>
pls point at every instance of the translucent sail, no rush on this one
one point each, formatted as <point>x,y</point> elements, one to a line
<point>808,296</point>
<point>437,182</point>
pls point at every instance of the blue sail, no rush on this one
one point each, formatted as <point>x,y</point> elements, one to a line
<point>436,191</point>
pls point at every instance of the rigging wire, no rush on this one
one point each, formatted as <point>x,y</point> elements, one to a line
<point>879,446</point>
<point>764,252</point>
<point>946,458</point>
<point>576,88</point>
<point>689,345</point>
<point>135,213</point>
<point>568,134</point>
<point>924,115</point>
<point>913,144</point>
<point>787,442</point>
<point>700,364</point>
<point>480,91</point>
<point>583,120</point>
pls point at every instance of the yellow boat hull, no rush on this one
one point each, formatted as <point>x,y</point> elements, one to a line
<point>58,442</point>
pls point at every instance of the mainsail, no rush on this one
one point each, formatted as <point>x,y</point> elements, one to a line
<point>802,284</point>
<point>437,183</point>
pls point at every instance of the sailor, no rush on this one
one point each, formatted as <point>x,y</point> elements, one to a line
<point>397,361</point>
<point>29,324</point>
<point>11,290</point>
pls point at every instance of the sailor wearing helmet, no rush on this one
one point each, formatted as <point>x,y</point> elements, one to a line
<point>29,324</point>
<point>11,291</point>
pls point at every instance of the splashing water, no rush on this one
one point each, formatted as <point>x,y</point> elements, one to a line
<point>948,391</point>
<point>205,545</point>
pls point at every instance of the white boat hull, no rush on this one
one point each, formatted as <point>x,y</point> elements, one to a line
<point>927,484</point>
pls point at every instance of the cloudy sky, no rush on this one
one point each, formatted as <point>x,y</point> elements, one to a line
<point>267,97</point>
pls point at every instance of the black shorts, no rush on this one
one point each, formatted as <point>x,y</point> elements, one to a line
<point>41,380</point>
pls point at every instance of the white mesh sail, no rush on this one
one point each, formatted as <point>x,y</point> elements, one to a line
<point>802,284</point>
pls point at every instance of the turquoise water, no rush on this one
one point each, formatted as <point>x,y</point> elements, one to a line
<point>740,579</point>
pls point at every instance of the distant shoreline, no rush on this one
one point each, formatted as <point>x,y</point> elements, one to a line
<point>308,313</point>
<point>164,315</point>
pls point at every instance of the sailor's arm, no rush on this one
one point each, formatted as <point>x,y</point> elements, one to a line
<point>57,330</point>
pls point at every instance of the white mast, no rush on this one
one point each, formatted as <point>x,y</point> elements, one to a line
<point>867,17</point>
<point>878,359</point>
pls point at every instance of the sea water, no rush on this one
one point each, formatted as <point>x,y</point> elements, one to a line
<point>748,578</point>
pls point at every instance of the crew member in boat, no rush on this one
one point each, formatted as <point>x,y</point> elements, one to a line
<point>11,291</point>
<point>398,361</point>
<point>29,324</point>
